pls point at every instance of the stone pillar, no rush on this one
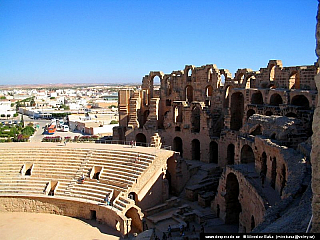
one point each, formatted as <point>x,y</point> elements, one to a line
<point>315,153</point>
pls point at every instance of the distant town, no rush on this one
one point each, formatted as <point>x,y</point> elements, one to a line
<point>78,108</point>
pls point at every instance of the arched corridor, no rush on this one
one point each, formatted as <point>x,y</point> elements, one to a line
<point>233,206</point>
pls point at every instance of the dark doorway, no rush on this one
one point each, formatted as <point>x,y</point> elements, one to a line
<point>177,145</point>
<point>237,107</point>
<point>214,155</point>
<point>257,98</point>
<point>93,215</point>
<point>233,206</point>
<point>195,149</point>
<point>141,139</point>
<point>275,99</point>
<point>247,155</point>
<point>195,120</point>
<point>230,154</point>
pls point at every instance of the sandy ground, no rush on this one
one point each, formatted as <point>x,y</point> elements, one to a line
<point>34,226</point>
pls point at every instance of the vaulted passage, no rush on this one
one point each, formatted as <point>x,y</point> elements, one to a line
<point>275,99</point>
<point>233,206</point>
<point>141,139</point>
<point>177,145</point>
<point>195,149</point>
<point>214,152</point>
<point>257,98</point>
<point>300,101</point>
<point>237,107</point>
<point>136,223</point>
<point>247,155</point>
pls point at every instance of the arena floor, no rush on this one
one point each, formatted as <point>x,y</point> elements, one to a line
<point>38,226</point>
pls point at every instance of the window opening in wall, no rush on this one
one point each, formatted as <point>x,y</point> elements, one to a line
<point>96,172</point>
<point>275,100</point>
<point>168,86</point>
<point>214,152</point>
<point>209,90</point>
<point>177,114</point>
<point>210,75</point>
<point>222,80</point>
<point>247,155</point>
<point>189,75</point>
<point>195,120</point>
<point>177,129</point>
<point>168,102</point>
<point>257,98</point>
<point>294,81</point>
<point>272,72</point>
<point>237,108</point>
<point>195,149</point>
<point>93,215</point>
<point>230,154</point>
<point>189,94</point>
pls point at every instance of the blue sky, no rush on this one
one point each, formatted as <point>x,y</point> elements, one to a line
<point>118,41</point>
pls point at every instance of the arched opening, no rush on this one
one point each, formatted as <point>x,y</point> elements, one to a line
<point>291,114</point>
<point>195,120</point>
<point>230,154</point>
<point>141,139</point>
<point>136,223</point>
<point>272,72</point>
<point>301,101</point>
<point>209,90</point>
<point>250,112</point>
<point>156,86</point>
<point>189,94</point>
<point>283,178</point>
<point>133,196</point>
<point>195,149</point>
<point>241,79</point>
<point>264,167</point>
<point>247,155</point>
<point>177,114</point>
<point>275,99</point>
<point>257,98</point>
<point>237,108</point>
<point>222,80</point>
<point>273,173</point>
<point>189,74</point>
<point>253,224</point>
<point>294,81</point>
<point>168,102</point>
<point>233,206</point>
<point>214,155</point>
<point>177,145</point>
<point>256,131</point>
<point>269,113</point>
<point>210,75</point>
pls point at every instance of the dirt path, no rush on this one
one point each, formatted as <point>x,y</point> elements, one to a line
<point>38,226</point>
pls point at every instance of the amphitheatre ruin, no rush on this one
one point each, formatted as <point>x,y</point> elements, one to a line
<point>235,154</point>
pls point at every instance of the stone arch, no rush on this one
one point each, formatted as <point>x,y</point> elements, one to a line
<point>222,80</point>
<point>178,145</point>
<point>301,101</point>
<point>230,154</point>
<point>237,107</point>
<point>195,119</point>
<point>247,155</point>
<point>283,178</point>
<point>257,98</point>
<point>250,112</point>
<point>226,97</point>
<point>256,131</point>
<point>156,80</point>
<point>189,93</point>
<point>214,154</point>
<point>209,91</point>
<point>273,173</point>
<point>195,144</point>
<point>136,223</point>
<point>233,206</point>
<point>141,139</point>
<point>275,99</point>
<point>294,80</point>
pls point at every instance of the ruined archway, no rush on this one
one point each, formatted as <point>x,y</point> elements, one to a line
<point>257,98</point>
<point>294,80</point>
<point>177,145</point>
<point>237,108</point>
<point>301,101</point>
<point>141,139</point>
<point>195,149</point>
<point>230,154</point>
<point>233,206</point>
<point>195,120</point>
<point>275,99</point>
<point>214,154</point>
<point>247,155</point>
<point>189,94</point>
<point>136,223</point>
<point>273,173</point>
